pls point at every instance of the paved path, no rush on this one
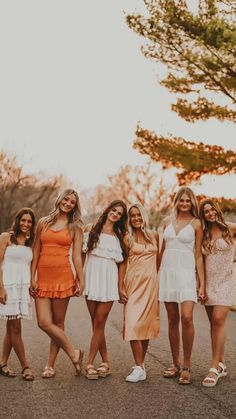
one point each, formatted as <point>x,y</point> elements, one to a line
<point>67,396</point>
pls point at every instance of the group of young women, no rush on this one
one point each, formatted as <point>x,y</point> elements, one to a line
<point>118,258</point>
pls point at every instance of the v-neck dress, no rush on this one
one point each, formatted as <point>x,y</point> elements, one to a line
<point>177,274</point>
<point>54,274</point>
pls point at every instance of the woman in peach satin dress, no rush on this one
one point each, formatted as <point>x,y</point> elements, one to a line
<point>138,287</point>
<point>55,282</point>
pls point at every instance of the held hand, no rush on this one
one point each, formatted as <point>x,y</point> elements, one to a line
<point>79,288</point>
<point>3,295</point>
<point>123,296</point>
<point>33,288</point>
<point>202,294</point>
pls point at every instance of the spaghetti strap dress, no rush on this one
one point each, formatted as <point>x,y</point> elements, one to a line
<point>16,281</point>
<point>54,274</point>
<point>141,312</point>
<point>220,282</point>
<point>177,273</point>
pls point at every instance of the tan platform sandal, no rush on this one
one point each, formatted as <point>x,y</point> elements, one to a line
<point>185,377</point>
<point>91,373</point>
<point>172,372</point>
<point>6,371</point>
<point>27,374</point>
<point>210,381</point>
<point>48,372</point>
<point>104,370</point>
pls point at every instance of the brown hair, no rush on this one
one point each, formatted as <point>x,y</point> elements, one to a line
<point>207,226</point>
<point>119,226</point>
<point>15,229</point>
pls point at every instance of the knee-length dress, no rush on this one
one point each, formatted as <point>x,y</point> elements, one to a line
<point>101,270</point>
<point>220,283</point>
<point>141,312</point>
<point>54,273</point>
<point>177,274</point>
<point>16,281</point>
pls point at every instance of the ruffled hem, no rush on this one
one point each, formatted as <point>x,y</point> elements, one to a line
<point>15,317</point>
<point>58,293</point>
<point>102,299</point>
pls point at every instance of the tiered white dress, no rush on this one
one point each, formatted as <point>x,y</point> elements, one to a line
<point>101,270</point>
<point>177,272</point>
<point>16,281</point>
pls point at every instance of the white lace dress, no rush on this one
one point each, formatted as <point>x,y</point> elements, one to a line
<point>16,281</point>
<point>101,270</point>
<point>177,272</point>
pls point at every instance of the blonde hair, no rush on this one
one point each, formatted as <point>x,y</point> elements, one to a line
<point>144,226</point>
<point>74,216</point>
<point>207,226</point>
<point>194,207</point>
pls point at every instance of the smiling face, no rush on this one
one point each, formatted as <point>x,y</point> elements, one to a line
<point>210,213</point>
<point>25,224</point>
<point>115,214</point>
<point>184,203</point>
<point>135,218</point>
<point>68,203</point>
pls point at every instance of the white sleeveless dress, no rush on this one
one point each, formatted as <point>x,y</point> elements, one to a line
<point>101,270</point>
<point>16,281</point>
<point>177,272</point>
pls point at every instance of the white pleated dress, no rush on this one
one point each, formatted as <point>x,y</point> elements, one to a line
<point>177,274</point>
<point>101,270</point>
<point>16,281</point>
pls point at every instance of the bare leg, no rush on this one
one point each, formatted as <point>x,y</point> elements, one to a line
<point>59,309</point>
<point>92,307</point>
<point>17,342</point>
<point>219,317</point>
<point>209,311</point>
<point>102,312</point>
<point>145,344</point>
<point>45,321</point>
<point>187,330</point>
<point>7,345</point>
<point>174,336</point>
<point>137,350</point>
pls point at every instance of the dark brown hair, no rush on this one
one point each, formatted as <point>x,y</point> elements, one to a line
<point>15,229</point>
<point>119,226</point>
<point>207,225</point>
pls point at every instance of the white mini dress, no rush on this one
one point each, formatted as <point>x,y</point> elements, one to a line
<point>177,274</point>
<point>101,270</point>
<point>16,281</point>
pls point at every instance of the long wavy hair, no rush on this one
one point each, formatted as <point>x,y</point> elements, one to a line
<point>74,216</point>
<point>144,226</point>
<point>194,205</point>
<point>119,227</point>
<point>15,228</point>
<point>207,225</point>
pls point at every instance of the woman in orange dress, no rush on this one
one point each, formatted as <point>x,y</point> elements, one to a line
<point>55,282</point>
<point>138,289</point>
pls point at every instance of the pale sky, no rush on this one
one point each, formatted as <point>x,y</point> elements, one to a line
<point>73,86</point>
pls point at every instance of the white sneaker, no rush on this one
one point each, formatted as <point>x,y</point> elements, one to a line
<point>138,374</point>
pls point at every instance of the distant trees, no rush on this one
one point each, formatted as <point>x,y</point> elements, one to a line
<point>198,52</point>
<point>18,190</point>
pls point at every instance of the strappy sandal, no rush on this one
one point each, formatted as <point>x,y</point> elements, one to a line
<point>91,373</point>
<point>185,376</point>
<point>8,373</point>
<point>48,372</point>
<point>103,370</point>
<point>211,381</point>
<point>172,372</point>
<point>27,374</point>
<point>223,370</point>
<point>78,364</point>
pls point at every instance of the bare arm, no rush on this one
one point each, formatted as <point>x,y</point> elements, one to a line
<point>199,259</point>
<point>36,254</point>
<point>232,227</point>
<point>4,241</point>
<point>77,259</point>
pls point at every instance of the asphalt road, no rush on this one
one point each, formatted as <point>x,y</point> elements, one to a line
<point>68,396</point>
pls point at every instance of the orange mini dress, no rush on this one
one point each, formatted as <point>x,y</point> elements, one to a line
<point>54,274</point>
